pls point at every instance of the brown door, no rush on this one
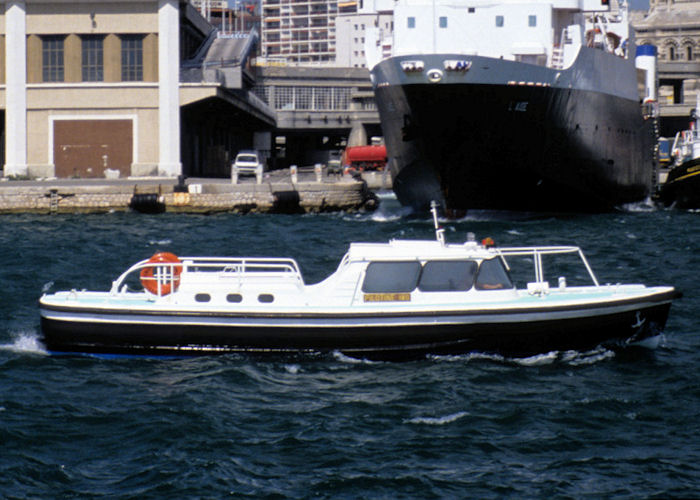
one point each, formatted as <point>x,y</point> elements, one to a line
<point>86,148</point>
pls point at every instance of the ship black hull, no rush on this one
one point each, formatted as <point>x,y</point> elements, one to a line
<point>514,145</point>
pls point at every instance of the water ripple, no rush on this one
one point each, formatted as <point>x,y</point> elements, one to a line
<point>562,424</point>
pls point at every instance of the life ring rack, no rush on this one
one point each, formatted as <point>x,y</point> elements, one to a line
<point>163,277</point>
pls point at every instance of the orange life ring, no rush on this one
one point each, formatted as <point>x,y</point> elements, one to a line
<point>168,283</point>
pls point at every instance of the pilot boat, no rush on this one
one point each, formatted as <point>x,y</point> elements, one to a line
<point>682,186</point>
<point>398,300</point>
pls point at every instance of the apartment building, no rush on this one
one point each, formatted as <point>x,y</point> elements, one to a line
<point>301,31</point>
<point>90,89</point>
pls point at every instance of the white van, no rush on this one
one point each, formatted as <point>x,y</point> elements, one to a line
<point>248,162</point>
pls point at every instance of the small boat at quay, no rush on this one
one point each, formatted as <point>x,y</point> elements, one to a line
<point>682,186</point>
<point>386,301</point>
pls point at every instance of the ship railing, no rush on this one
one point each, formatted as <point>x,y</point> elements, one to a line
<point>536,253</point>
<point>682,147</point>
<point>167,275</point>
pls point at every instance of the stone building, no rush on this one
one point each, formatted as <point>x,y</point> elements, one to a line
<point>95,89</point>
<point>673,26</point>
<point>90,86</point>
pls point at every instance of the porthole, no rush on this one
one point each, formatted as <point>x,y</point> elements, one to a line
<point>202,297</point>
<point>266,298</point>
<point>234,298</point>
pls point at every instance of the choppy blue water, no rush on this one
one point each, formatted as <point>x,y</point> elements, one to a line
<point>575,425</point>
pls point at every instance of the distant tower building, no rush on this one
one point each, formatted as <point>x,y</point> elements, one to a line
<point>302,31</point>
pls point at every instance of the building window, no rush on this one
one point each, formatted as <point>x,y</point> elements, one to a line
<point>93,68</point>
<point>689,53</point>
<point>411,22</point>
<point>304,97</point>
<point>499,21</point>
<point>284,98</point>
<point>443,22</point>
<point>671,53</point>
<point>52,58</point>
<point>471,10</point>
<point>532,21</point>
<point>132,58</point>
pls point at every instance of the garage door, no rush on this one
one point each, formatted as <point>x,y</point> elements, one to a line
<point>86,148</point>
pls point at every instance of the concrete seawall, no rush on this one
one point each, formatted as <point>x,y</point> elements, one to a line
<point>276,194</point>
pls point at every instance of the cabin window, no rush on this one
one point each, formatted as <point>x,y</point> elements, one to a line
<point>532,21</point>
<point>499,21</point>
<point>234,298</point>
<point>391,277</point>
<point>447,275</point>
<point>202,297</point>
<point>493,276</point>
<point>411,22</point>
<point>443,21</point>
<point>266,298</point>
<point>471,10</point>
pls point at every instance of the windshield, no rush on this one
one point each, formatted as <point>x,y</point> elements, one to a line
<point>447,275</point>
<point>247,158</point>
<point>492,276</point>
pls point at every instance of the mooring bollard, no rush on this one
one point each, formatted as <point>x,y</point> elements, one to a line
<point>293,173</point>
<point>234,174</point>
<point>317,170</point>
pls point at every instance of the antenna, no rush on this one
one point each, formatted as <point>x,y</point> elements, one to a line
<point>439,232</point>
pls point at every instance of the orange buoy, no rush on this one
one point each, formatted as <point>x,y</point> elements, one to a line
<point>151,275</point>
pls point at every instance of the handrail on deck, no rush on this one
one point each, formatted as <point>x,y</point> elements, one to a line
<point>168,273</point>
<point>537,252</point>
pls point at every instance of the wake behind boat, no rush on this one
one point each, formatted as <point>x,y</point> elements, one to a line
<point>516,105</point>
<point>395,300</point>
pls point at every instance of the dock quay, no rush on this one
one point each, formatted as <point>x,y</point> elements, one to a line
<point>276,192</point>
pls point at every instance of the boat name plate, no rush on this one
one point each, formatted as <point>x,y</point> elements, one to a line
<point>387,297</point>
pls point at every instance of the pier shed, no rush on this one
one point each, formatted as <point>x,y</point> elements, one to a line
<point>101,89</point>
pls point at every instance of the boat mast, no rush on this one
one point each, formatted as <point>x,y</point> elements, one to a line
<point>439,231</point>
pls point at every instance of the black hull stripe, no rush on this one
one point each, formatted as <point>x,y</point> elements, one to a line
<point>380,342</point>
